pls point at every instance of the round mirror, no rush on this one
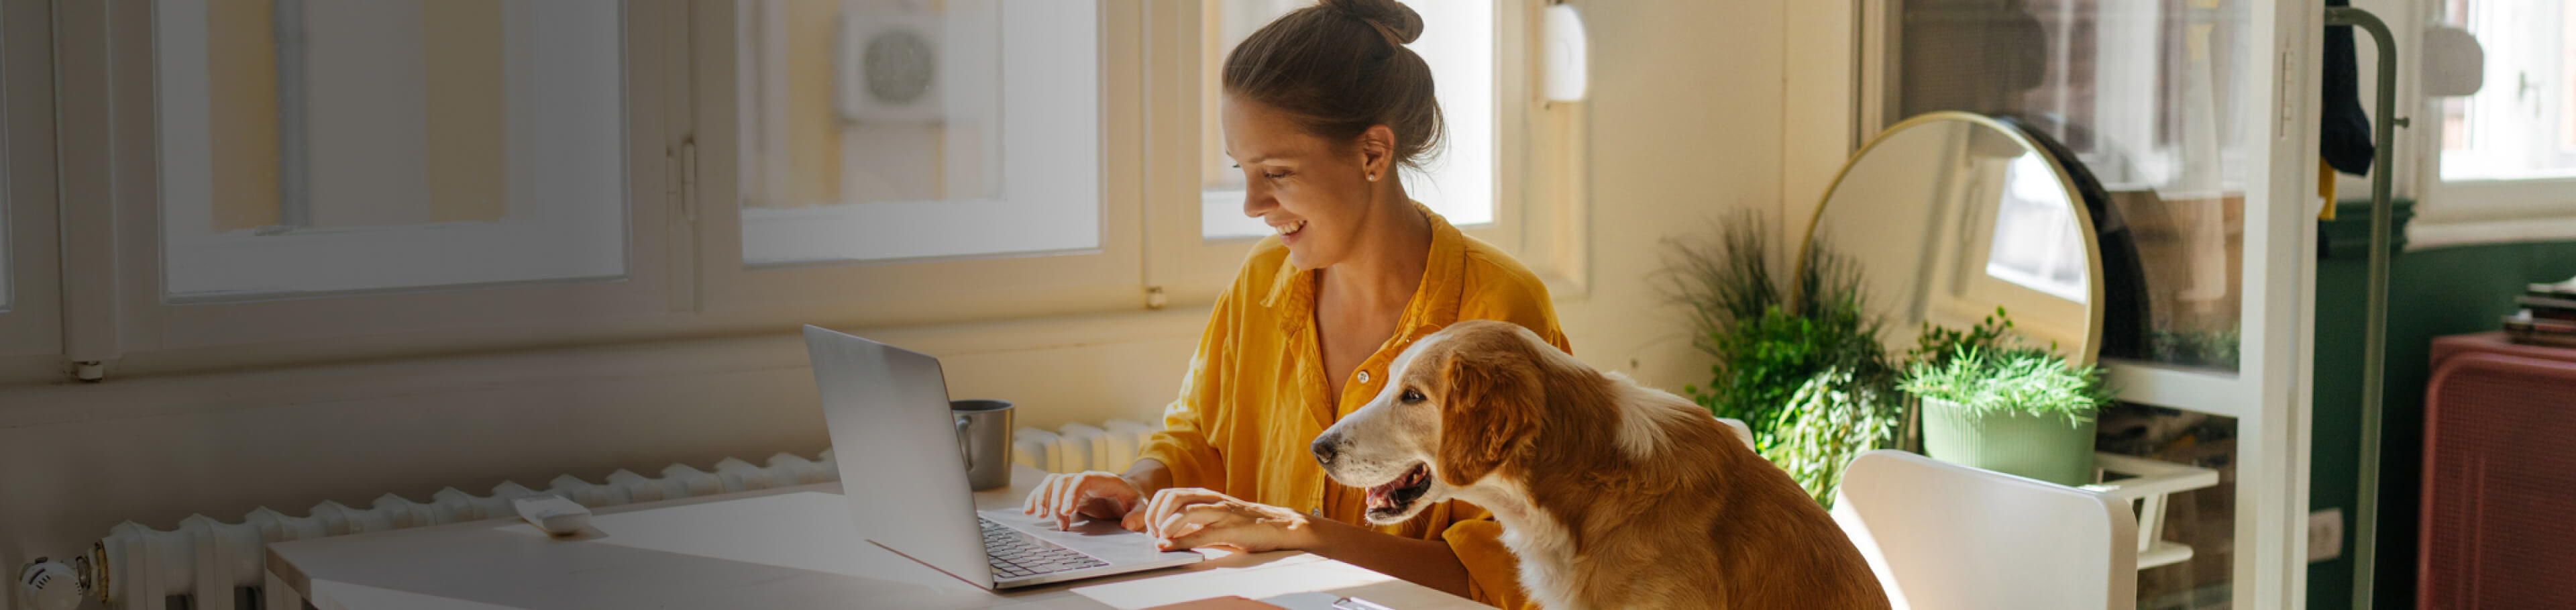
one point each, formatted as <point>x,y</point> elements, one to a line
<point>1948,216</point>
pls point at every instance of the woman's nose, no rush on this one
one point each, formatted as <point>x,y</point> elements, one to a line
<point>1257,201</point>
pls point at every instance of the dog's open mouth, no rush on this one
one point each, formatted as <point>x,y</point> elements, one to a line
<point>1397,496</point>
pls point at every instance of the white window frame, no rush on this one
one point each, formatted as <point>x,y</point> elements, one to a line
<point>114,296</point>
<point>2451,212</point>
<point>527,243</point>
<point>684,269</point>
<point>924,290</point>
<point>29,324</point>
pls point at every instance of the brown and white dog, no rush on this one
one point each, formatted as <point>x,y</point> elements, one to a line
<point>1613,495</point>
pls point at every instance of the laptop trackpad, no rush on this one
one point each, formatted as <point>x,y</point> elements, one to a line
<point>1101,539</point>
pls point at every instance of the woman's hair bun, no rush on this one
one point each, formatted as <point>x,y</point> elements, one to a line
<point>1398,20</point>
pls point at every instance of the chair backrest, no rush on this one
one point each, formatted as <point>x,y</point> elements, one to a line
<point>1943,536</point>
<point>1742,432</point>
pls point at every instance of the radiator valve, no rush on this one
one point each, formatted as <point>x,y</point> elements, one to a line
<point>50,585</point>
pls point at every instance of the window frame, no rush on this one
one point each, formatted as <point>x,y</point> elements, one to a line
<point>127,312</point>
<point>685,276</point>
<point>29,324</point>
<point>961,288</point>
<point>2454,212</point>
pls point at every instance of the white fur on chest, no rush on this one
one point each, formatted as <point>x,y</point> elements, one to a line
<point>1544,546</point>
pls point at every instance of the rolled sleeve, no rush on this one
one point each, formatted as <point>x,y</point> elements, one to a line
<point>1183,444</point>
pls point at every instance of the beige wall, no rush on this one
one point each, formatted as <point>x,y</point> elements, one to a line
<point>1684,123</point>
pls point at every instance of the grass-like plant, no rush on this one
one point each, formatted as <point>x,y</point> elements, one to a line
<point>1829,419</point>
<point>1768,339</point>
<point>2024,379</point>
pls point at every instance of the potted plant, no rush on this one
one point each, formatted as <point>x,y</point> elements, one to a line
<point>1800,364</point>
<point>2022,411</point>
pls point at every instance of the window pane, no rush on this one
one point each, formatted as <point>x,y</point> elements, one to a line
<point>900,129</point>
<point>351,145</point>
<point>2155,98</point>
<point>1458,43</point>
<point>2521,123</point>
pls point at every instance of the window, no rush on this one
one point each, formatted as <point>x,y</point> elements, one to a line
<point>2033,246</point>
<point>308,180</point>
<point>2499,164</point>
<point>327,147</point>
<point>2522,123</point>
<point>917,129</point>
<point>1459,46</point>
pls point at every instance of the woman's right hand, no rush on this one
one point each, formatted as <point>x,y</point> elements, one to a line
<point>1091,494</point>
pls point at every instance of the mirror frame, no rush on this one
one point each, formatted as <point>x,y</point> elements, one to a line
<point>2084,354</point>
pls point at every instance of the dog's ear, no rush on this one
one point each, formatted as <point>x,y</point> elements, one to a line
<point>1490,410</point>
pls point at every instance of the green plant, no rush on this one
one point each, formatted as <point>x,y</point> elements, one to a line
<point>1769,341</point>
<point>1827,420</point>
<point>2020,378</point>
<point>2215,348</point>
<point>1936,343</point>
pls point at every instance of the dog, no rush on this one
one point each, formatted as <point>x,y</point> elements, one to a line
<point>1614,495</point>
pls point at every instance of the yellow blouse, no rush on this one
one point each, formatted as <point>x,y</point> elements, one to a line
<point>1256,394</point>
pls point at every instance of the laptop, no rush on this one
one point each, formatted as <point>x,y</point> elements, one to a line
<point>904,474</point>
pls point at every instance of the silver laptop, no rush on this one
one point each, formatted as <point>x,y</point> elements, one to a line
<point>887,411</point>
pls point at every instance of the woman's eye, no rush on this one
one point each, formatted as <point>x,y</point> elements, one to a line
<point>1411,397</point>
<point>1274,175</point>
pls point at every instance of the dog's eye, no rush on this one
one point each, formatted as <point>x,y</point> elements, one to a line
<point>1411,397</point>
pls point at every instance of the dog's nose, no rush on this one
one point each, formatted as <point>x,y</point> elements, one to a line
<point>1324,450</point>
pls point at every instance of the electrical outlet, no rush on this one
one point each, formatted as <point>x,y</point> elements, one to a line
<point>2325,535</point>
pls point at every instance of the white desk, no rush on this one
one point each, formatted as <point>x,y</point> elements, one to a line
<point>779,548</point>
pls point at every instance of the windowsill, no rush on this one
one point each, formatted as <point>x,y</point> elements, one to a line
<point>38,397</point>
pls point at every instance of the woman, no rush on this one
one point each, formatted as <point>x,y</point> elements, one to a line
<point>1320,109</point>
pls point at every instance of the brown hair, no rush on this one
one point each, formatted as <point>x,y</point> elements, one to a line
<point>1340,66</point>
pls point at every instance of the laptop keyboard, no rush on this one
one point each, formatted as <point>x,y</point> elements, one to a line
<point>1014,554</point>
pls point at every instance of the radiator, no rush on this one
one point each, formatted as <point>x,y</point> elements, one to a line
<point>2497,491</point>
<point>209,562</point>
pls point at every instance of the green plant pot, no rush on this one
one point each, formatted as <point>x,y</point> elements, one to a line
<point>2040,446</point>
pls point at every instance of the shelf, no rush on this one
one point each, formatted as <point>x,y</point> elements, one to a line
<point>2189,389</point>
<point>2146,484</point>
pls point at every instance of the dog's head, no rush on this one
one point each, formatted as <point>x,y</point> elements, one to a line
<point>1459,405</point>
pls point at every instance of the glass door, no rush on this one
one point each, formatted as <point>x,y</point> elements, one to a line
<point>2197,116</point>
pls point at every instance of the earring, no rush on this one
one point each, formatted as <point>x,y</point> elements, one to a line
<point>1372,177</point>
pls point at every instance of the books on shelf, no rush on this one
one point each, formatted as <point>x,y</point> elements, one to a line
<point>2548,316</point>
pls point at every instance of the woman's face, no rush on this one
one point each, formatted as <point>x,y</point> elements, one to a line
<point>1314,194</point>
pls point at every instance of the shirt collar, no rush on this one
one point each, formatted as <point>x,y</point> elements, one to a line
<point>1434,304</point>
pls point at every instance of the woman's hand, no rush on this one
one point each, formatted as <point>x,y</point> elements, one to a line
<point>1188,518</point>
<point>1093,494</point>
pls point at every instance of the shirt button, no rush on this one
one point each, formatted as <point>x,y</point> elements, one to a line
<point>1363,376</point>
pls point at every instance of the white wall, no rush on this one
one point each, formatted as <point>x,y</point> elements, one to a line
<point>1685,127</point>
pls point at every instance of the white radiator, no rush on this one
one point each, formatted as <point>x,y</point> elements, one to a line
<point>137,567</point>
<point>207,561</point>
<point>1110,446</point>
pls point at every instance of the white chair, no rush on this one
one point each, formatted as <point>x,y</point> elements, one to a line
<point>1742,432</point>
<point>1942,536</point>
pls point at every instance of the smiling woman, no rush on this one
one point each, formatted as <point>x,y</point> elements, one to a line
<point>1320,109</point>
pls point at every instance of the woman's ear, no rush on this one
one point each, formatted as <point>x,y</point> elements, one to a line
<point>1490,409</point>
<point>1377,152</point>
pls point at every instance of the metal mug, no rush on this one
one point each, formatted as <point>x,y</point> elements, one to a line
<point>984,440</point>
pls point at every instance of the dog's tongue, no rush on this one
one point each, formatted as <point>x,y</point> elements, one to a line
<point>1377,495</point>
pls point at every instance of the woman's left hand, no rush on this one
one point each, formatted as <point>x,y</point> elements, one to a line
<point>1188,518</point>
